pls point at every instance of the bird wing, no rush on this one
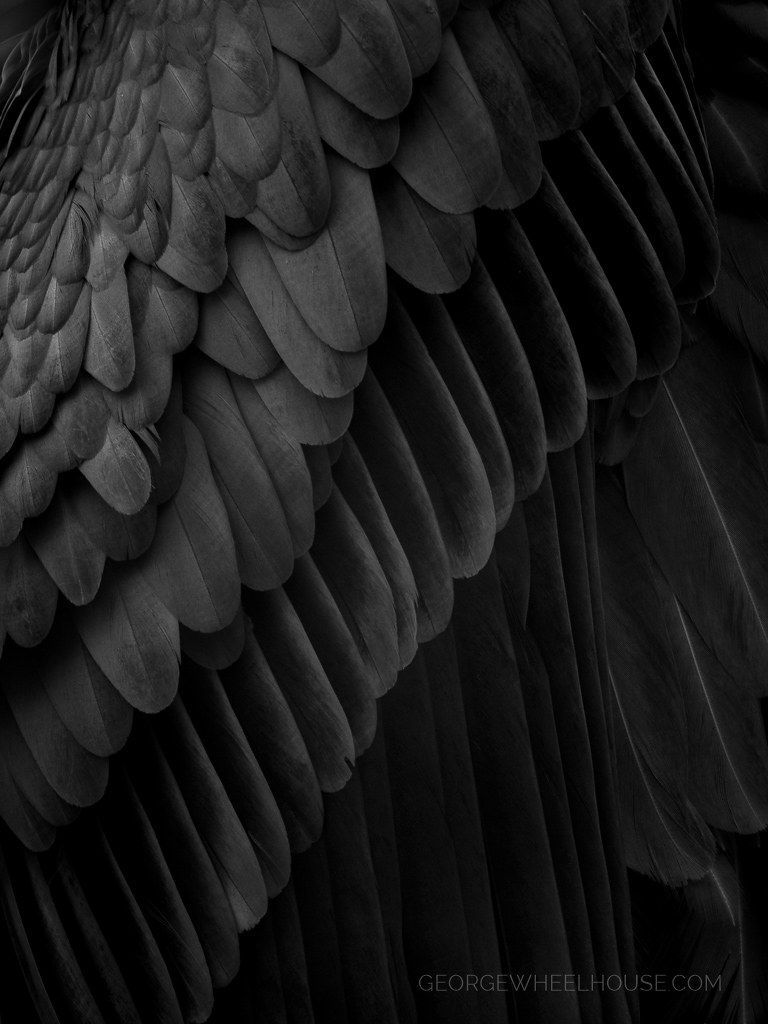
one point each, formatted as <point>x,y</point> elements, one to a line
<point>199,207</point>
<point>303,304</point>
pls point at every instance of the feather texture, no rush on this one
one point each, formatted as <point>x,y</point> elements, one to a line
<point>431,258</point>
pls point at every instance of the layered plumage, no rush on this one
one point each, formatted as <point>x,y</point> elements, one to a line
<point>309,311</point>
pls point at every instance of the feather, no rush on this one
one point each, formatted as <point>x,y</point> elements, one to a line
<point>645,21</point>
<point>21,945</point>
<point>356,908</point>
<point>214,816</point>
<point>109,355</point>
<point>448,151</point>
<point>432,250</point>
<point>360,138</point>
<point>694,220</point>
<point>403,493</point>
<point>195,254</point>
<point>76,775</point>
<point>597,322</point>
<point>584,53</point>
<point>33,789</point>
<point>78,426</point>
<point>285,462</point>
<point>302,415</point>
<point>300,676</point>
<point>29,594</point>
<point>274,736</point>
<point>118,536</point>
<point>354,481</point>
<point>693,466</point>
<point>354,577</point>
<point>24,311</point>
<point>459,375</point>
<point>215,650</point>
<point>149,239</point>
<point>26,487</point>
<point>537,45</point>
<point>35,409</point>
<point>585,186</point>
<point>338,281</point>
<point>168,468</point>
<point>370,66</point>
<point>322,953</point>
<point>125,926</point>
<point>501,89</point>
<point>185,96</point>
<point>739,301</point>
<point>609,26</point>
<point>351,675</point>
<point>118,472</point>
<point>58,304</point>
<point>164,312</point>
<point>737,167</point>
<point>147,873</point>
<point>26,354</point>
<point>9,421</point>
<point>258,987</point>
<point>728,756</point>
<point>72,254</point>
<point>289,949</point>
<point>108,254</point>
<point>133,639</point>
<point>489,340</point>
<point>558,618</point>
<point>319,466</point>
<point>190,154</point>
<point>671,65</point>
<point>53,938</point>
<point>261,536</point>
<point>191,565</point>
<point>461,497</point>
<point>234,762</point>
<point>377,796</point>
<point>447,10</point>
<point>293,201</point>
<point>249,146</point>
<point>81,921</point>
<point>545,748</point>
<point>669,121</point>
<point>88,705</point>
<point>194,34</point>
<point>70,556</point>
<point>427,846</point>
<point>513,824</point>
<point>142,402</point>
<point>420,30</point>
<point>239,197</point>
<point>663,833</point>
<point>241,70</point>
<point>538,320</point>
<point>229,331</point>
<point>641,396</point>
<point>576,487</point>
<point>307,30</point>
<point>188,858</point>
<point>324,370</point>
<point>617,150</point>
